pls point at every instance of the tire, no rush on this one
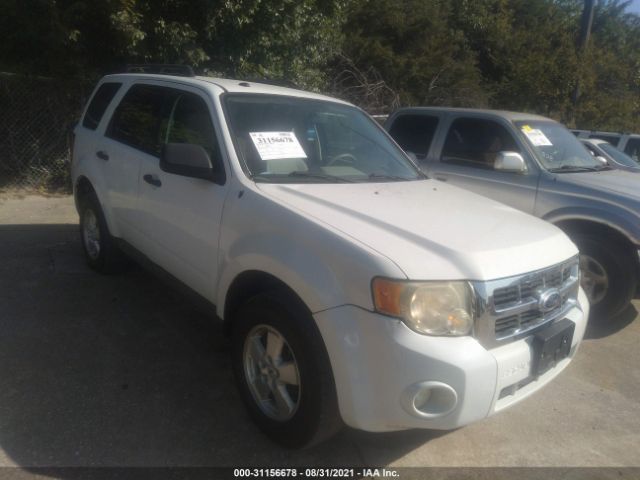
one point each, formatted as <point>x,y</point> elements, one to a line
<point>100,250</point>
<point>612,268</point>
<point>310,415</point>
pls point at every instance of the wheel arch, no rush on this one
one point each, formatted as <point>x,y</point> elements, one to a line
<point>582,226</point>
<point>249,284</point>
<point>82,187</point>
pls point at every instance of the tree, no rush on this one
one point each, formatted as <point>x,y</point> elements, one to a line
<point>411,47</point>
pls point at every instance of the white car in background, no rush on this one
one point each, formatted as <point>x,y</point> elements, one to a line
<point>613,157</point>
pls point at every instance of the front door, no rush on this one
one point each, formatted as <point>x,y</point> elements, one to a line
<point>182,215</point>
<point>467,158</point>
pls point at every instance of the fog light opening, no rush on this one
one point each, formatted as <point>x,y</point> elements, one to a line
<point>430,399</point>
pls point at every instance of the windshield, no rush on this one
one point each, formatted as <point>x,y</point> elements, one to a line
<point>556,148</point>
<point>287,139</point>
<point>620,157</point>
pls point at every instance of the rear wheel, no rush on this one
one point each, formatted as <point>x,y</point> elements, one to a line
<point>608,274</point>
<point>100,251</point>
<point>282,371</point>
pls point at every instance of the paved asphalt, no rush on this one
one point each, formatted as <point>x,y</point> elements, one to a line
<point>123,371</point>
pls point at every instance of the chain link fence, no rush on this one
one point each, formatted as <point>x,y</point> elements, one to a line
<point>36,116</point>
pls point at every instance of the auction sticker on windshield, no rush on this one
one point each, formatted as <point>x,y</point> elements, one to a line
<point>275,145</point>
<point>536,136</point>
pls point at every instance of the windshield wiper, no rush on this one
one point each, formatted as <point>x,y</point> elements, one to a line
<point>574,168</point>
<point>321,176</point>
<point>384,176</point>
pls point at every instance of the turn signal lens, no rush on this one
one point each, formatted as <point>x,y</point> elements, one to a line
<point>386,296</point>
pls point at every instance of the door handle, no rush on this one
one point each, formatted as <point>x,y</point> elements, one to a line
<point>102,155</point>
<point>442,179</point>
<point>152,179</point>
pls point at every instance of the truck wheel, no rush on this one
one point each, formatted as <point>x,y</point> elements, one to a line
<point>607,274</point>
<point>282,371</point>
<point>100,250</point>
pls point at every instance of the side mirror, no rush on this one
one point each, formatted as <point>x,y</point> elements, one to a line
<point>509,162</point>
<point>188,160</point>
<point>602,160</point>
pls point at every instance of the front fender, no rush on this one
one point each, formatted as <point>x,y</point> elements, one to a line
<point>324,267</point>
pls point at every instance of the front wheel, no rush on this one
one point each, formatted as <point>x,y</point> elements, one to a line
<point>608,274</point>
<point>282,371</point>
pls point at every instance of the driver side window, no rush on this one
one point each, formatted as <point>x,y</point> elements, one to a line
<point>475,142</point>
<point>189,121</point>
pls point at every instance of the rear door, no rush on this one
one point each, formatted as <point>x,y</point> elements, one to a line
<point>467,155</point>
<point>130,137</point>
<point>92,149</point>
<point>181,216</point>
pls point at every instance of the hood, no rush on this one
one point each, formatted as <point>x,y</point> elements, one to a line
<point>617,182</point>
<point>430,230</point>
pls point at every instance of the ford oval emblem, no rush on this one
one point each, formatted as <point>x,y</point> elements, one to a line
<point>549,300</point>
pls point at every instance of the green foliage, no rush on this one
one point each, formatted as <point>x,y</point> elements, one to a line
<point>289,39</point>
<point>610,98</point>
<point>512,54</point>
<point>412,46</point>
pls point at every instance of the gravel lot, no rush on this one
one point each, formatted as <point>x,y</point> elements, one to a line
<point>124,371</point>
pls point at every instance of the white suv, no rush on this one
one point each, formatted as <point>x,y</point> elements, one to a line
<point>354,289</point>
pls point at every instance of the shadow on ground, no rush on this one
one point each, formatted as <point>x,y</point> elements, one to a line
<point>123,371</point>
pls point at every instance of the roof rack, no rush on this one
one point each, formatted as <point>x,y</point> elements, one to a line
<point>161,69</point>
<point>281,82</point>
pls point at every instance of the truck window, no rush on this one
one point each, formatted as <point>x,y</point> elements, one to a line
<point>99,104</point>
<point>136,120</point>
<point>633,149</point>
<point>190,122</point>
<point>611,138</point>
<point>592,150</point>
<point>475,142</point>
<point>414,133</point>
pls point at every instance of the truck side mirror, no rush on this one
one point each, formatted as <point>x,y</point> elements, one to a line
<point>602,160</point>
<point>509,162</point>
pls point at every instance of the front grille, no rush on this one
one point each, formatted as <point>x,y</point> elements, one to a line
<point>511,306</point>
<point>530,285</point>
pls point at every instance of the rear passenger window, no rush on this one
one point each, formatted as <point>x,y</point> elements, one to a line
<point>475,142</point>
<point>136,120</point>
<point>99,104</point>
<point>633,149</point>
<point>414,133</point>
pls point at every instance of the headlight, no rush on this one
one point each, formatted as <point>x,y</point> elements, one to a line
<point>432,308</point>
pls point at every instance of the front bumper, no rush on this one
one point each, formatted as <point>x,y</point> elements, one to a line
<point>379,363</point>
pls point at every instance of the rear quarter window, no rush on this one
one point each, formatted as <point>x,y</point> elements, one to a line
<point>99,104</point>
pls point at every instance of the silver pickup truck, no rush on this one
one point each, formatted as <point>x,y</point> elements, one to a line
<point>535,164</point>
